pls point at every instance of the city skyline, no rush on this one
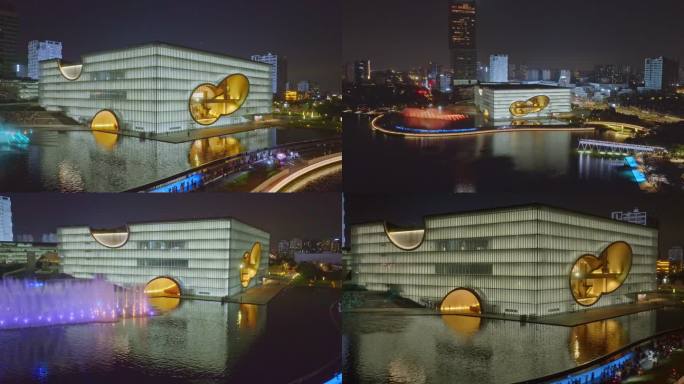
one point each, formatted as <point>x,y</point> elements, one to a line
<point>287,26</point>
<point>320,212</point>
<point>615,35</point>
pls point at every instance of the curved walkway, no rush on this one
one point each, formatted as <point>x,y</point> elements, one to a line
<point>289,177</point>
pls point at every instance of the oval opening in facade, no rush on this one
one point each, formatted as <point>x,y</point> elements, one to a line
<point>461,301</point>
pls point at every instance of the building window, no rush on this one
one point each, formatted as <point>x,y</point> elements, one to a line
<point>162,244</point>
<point>108,95</point>
<point>172,263</point>
<point>108,75</point>
<point>464,269</point>
<point>475,244</point>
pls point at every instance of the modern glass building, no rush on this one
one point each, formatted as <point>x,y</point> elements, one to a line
<point>529,260</point>
<point>157,88</point>
<point>40,51</point>
<point>212,257</point>
<point>513,101</point>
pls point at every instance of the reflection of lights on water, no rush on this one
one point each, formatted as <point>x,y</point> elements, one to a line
<point>69,177</point>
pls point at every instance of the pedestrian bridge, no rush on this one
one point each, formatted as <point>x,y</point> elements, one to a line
<point>612,147</point>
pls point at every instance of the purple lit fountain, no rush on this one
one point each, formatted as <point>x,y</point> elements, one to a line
<point>30,303</point>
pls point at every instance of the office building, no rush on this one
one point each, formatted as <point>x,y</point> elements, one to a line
<point>564,77</point>
<point>278,72</point>
<point>6,233</point>
<point>40,51</point>
<point>526,260</point>
<point>635,216</point>
<point>462,42</point>
<point>511,100</point>
<point>303,86</point>
<point>362,71</point>
<point>157,88</point>
<point>660,73</point>
<point>9,35</point>
<point>498,68</point>
<point>676,257</point>
<point>211,257</point>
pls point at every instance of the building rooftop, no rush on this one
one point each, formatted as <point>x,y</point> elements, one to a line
<point>167,45</point>
<point>520,207</point>
<point>516,86</point>
<point>164,221</point>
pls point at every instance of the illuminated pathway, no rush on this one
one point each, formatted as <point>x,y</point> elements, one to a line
<point>617,126</point>
<point>245,171</point>
<point>290,180</point>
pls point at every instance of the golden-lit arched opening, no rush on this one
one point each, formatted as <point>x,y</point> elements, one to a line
<point>163,287</point>
<point>461,301</point>
<point>250,264</point>
<point>591,276</point>
<point>105,128</point>
<point>208,102</point>
<point>532,105</point>
<point>406,239</point>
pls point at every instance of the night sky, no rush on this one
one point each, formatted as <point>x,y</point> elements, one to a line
<point>402,34</point>
<point>667,212</point>
<point>284,216</point>
<point>308,32</point>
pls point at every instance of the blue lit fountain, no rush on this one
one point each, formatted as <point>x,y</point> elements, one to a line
<point>29,303</point>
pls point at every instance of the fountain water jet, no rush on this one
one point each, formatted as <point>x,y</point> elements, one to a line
<point>29,303</point>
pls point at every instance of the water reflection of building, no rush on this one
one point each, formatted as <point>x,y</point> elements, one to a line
<point>79,161</point>
<point>199,340</point>
<point>533,152</point>
<point>211,257</point>
<point>516,260</point>
<point>499,351</point>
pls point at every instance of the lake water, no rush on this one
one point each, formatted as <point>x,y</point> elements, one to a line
<point>501,162</point>
<point>199,341</point>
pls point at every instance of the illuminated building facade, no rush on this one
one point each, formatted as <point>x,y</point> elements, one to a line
<point>462,43</point>
<point>498,68</point>
<point>660,73</point>
<point>529,260</point>
<point>157,88</point>
<point>212,257</point>
<point>511,101</point>
<point>362,71</point>
<point>6,233</point>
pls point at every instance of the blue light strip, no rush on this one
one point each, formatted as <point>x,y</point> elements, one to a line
<point>586,376</point>
<point>418,130</point>
<point>639,176</point>
<point>631,162</point>
<point>192,182</point>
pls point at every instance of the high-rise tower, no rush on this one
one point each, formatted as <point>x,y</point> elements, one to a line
<point>462,46</point>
